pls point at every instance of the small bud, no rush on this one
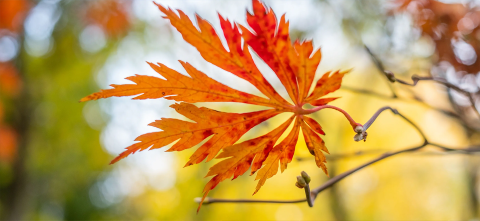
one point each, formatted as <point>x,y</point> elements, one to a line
<point>306,177</point>
<point>390,76</point>
<point>415,77</point>
<point>298,185</point>
<point>301,181</point>
<point>358,137</point>
<point>358,129</point>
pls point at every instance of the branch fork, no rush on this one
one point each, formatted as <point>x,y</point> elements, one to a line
<point>303,183</point>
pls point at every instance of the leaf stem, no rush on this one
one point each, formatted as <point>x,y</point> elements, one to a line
<point>313,110</point>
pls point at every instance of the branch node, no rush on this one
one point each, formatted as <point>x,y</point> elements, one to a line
<point>205,201</point>
<point>390,76</point>
<point>395,111</point>
<point>415,78</point>
<point>358,129</point>
<point>302,183</point>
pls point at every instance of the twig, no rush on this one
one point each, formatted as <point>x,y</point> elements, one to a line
<point>334,180</point>
<point>415,99</point>
<point>468,150</point>
<point>446,150</point>
<point>337,178</point>
<point>394,111</point>
<point>367,92</point>
<point>303,182</point>
<point>391,77</point>
<point>339,156</point>
<point>362,131</point>
<point>209,200</point>
<point>319,189</point>
<point>381,68</point>
<point>416,79</point>
<point>308,195</point>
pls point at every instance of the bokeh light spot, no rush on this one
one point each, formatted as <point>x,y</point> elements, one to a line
<point>92,39</point>
<point>8,48</point>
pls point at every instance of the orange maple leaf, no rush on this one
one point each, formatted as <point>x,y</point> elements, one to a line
<point>294,64</point>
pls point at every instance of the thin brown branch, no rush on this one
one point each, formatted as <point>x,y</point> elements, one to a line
<point>367,92</point>
<point>417,79</point>
<point>362,133</point>
<point>334,180</point>
<point>415,99</point>
<point>332,157</point>
<point>304,180</point>
<point>468,150</point>
<point>381,68</point>
<point>391,77</point>
<point>309,196</point>
<point>394,111</point>
<point>317,190</point>
<point>209,200</point>
<point>446,151</point>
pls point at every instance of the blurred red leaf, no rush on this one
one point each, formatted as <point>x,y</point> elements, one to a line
<point>8,144</point>
<point>111,15</point>
<point>447,24</point>
<point>10,82</point>
<point>12,14</point>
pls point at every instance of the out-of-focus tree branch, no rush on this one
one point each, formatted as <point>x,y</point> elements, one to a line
<point>381,68</point>
<point>416,79</point>
<point>391,77</point>
<point>415,99</point>
<point>342,156</point>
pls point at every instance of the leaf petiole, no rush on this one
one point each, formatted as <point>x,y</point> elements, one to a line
<point>313,110</point>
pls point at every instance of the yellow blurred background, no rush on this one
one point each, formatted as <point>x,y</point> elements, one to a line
<point>55,151</point>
